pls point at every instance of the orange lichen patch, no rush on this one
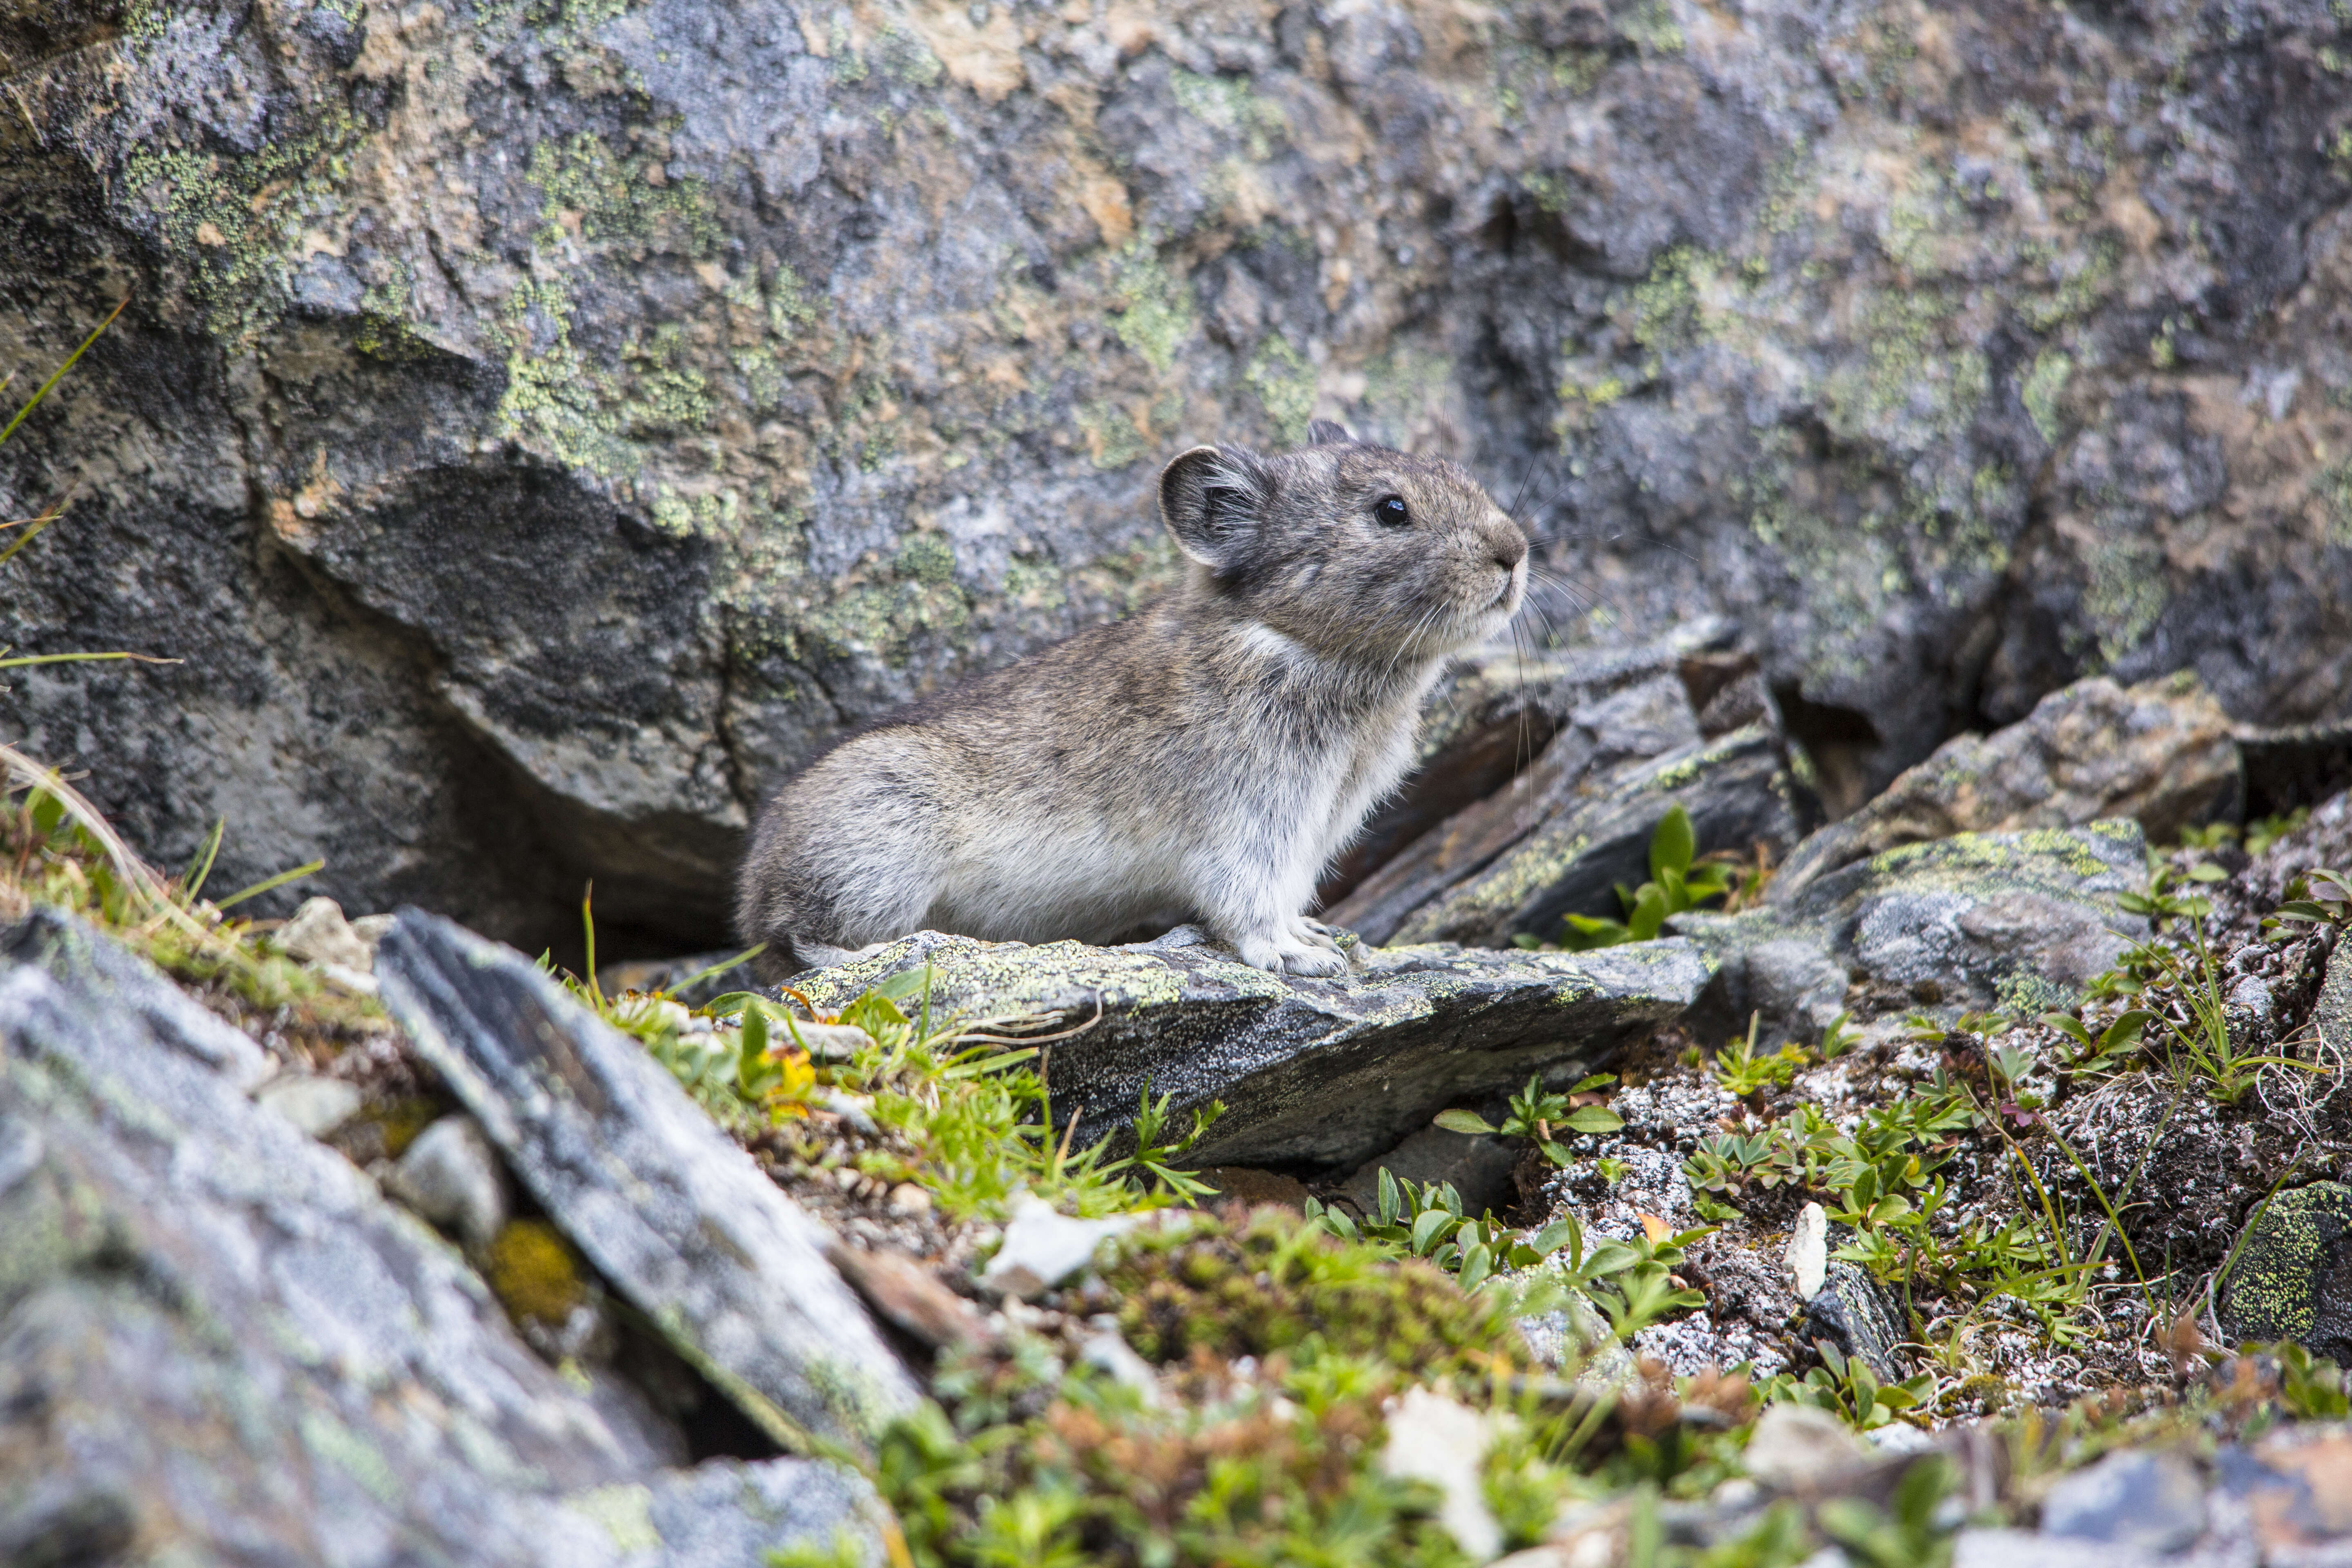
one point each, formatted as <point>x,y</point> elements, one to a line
<point>985,59</point>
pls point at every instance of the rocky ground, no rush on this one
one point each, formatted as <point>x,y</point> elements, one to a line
<point>1962,1179</point>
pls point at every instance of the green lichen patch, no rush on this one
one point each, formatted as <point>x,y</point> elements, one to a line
<point>237,223</point>
<point>1284,384</point>
<point>2294,1247</point>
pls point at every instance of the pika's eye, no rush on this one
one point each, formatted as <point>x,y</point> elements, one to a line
<point>1389,512</point>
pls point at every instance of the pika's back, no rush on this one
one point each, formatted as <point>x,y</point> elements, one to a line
<point>1197,761</point>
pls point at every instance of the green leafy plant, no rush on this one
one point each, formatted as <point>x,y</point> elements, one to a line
<point>2164,898</point>
<point>1837,1039</point>
<point>1846,1386</point>
<point>1906,1533</point>
<point>1677,883</point>
<point>2322,897</point>
<point>2266,831</point>
<point>1742,1072</point>
<point>1542,1115</point>
<point>2197,1046</point>
<point>1428,1222</point>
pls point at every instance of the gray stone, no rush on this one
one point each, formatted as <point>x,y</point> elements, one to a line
<point>218,1343</point>
<point>2332,1015</point>
<point>451,1176</point>
<point>2016,920</point>
<point>2293,1279</point>
<point>1312,1072</point>
<point>316,1104</point>
<point>1985,1548</point>
<point>1798,1448</point>
<point>319,934</point>
<point>672,1212</point>
<point>1854,1312</point>
<point>2153,1502</point>
<point>1477,1165</point>
<point>607,405</point>
<point>2159,752</point>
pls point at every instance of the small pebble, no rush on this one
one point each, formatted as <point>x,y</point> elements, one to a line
<point>908,1198</point>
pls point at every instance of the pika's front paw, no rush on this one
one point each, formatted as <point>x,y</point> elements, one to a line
<point>1287,954</point>
<point>1315,961</point>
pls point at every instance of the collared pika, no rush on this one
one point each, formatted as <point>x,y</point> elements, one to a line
<point>1200,760</point>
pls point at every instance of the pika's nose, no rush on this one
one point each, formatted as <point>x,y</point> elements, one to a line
<point>1510,544</point>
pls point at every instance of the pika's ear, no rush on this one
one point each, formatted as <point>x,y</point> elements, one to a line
<point>1213,499</point>
<point>1328,433</point>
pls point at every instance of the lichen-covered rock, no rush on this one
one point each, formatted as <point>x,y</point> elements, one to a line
<point>2160,753</point>
<point>538,426</point>
<point>2020,921</point>
<point>672,1213</point>
<point>2292,1280</point>
<point>218,1343</point>
<point>1312,1072</point>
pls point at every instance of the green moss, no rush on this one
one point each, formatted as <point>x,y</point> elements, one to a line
<point>624,1511</point>
<point>1157,315</point>
<point>1284,384</point>
<point>2333,486</point>
<point>1264,1284</point>
<point>326,1438</point>
<point>2042,386</point>
<point>1227,104</point>
<point>926,557</point>
<point>534,1272</point>
<point>1650,25</point>
<point>2126,593</point>
<point>1112,440</point>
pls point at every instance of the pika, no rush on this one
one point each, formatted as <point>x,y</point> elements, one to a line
<point>1202,759</point>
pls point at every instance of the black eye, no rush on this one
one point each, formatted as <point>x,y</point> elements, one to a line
<point>1389,512</point>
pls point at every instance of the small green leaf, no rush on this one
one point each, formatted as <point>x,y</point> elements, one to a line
<point>2126,1029</point>
<point>1595,1119</point>
<point>1649,914</point>
<point>1593,1081</point>
<point>1674,844</point>
<point>1432,1225</point>
<point>1390,1203</point>
<point>1464,1121</point>
<point>1477,1264</point>
<point>2068,1025</point>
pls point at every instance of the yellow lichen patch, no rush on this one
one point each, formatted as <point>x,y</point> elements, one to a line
<point>534,1272</point>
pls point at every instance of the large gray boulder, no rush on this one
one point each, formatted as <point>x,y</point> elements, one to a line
<point>538,426</point>
<point>219,1344</point>
<point>1322,1073</point>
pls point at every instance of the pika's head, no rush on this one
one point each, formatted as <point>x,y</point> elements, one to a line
<point>1348,548</point>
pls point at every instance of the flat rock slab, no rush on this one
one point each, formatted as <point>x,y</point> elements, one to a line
<point>676,1217</point>
<point>1312,1072</point>
<point>218,1343</point>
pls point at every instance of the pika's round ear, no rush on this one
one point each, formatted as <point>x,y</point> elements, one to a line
<point>1212,499</point>
<point>1328,433</point>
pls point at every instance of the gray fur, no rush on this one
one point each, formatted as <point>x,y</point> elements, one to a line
<point>1203,760</point>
